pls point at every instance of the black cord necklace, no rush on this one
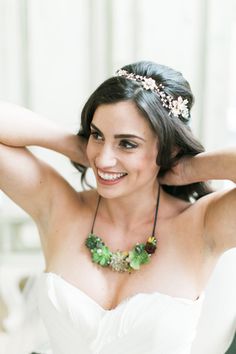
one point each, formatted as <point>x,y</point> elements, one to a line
<point>122,261</point>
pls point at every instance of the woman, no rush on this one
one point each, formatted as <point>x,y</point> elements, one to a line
<point>127,262</point>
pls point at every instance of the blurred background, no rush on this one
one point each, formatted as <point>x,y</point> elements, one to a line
<point>53,54</point>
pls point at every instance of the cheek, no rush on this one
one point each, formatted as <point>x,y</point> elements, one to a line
<point>149,163</point>
<point>145,162</point>
<point>151,156</point>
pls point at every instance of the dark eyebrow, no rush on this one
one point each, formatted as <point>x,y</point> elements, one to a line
<point>118,136</point>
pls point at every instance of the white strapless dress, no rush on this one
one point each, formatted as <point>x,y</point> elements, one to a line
<point>146,323</point>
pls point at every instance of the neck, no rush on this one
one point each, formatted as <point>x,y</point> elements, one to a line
<point>130,210</point>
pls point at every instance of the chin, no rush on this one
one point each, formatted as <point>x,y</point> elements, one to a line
<point>114,192</point>
<point>108,194</point>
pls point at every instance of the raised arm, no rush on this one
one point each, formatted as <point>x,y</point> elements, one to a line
<point>220,207</point>
<point>220,217</point>
<point>27,180</point>
<point>21,127</point>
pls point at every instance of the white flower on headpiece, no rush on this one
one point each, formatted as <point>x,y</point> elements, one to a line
<point>121,72</point>
<point>149,84</point>
<point>176,107</point>
<point>179,107</point>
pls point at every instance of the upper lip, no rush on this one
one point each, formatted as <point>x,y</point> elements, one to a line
<point>110,172</point>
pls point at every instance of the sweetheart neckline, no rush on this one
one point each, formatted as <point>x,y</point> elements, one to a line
<point>128,299</point>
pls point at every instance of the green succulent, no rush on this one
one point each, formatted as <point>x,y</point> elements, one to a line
<point>138,256</point>
<point>94,241</point>
<point>120,261</point>
<point>101,256</point>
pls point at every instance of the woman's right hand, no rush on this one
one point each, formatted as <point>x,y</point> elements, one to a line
<point>78,153</point>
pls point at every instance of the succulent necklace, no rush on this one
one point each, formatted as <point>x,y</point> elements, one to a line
<point>122,261</point>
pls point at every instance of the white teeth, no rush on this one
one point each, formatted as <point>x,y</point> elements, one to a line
<point>110,176</point>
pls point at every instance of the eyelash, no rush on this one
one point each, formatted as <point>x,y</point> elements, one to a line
<point>128,145</point>
<point>125,144</point>
<point>95,135</point>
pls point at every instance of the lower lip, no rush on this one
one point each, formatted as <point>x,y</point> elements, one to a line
<point>109,182</point>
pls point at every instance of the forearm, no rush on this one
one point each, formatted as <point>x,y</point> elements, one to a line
<point>21,127</point>
<point>220,164</point>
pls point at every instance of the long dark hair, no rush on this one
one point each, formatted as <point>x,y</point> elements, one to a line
<point>174,133</point>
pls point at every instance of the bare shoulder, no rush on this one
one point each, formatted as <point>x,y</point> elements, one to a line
<point>203,204</point>
<point>71,206</point>
<point>176,206</point>
<point>88,199</point>
<point>212,217</point>
<point>220,221</point>
<point>196,210</point>
<point>71,215</point>
<point>188,217</point>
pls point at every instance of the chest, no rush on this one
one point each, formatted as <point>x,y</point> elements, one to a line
<point>177,268</point>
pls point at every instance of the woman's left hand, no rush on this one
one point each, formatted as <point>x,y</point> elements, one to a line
<point>179,174</point>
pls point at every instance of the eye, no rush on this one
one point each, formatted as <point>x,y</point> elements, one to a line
<point>95,135</point>
<point>128,144</point>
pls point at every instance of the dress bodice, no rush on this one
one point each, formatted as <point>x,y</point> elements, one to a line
<point>150,323</point>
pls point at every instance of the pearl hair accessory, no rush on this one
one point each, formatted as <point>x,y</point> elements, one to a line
<point>176,107</point>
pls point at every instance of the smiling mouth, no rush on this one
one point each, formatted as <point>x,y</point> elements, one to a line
<point>110,176</point>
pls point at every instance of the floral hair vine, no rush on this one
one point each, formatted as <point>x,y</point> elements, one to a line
<point>176,107</point>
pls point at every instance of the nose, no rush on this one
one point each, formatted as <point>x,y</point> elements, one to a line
<point>105,158</point>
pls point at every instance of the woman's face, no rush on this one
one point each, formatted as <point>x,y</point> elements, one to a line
<point>122,150</point>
